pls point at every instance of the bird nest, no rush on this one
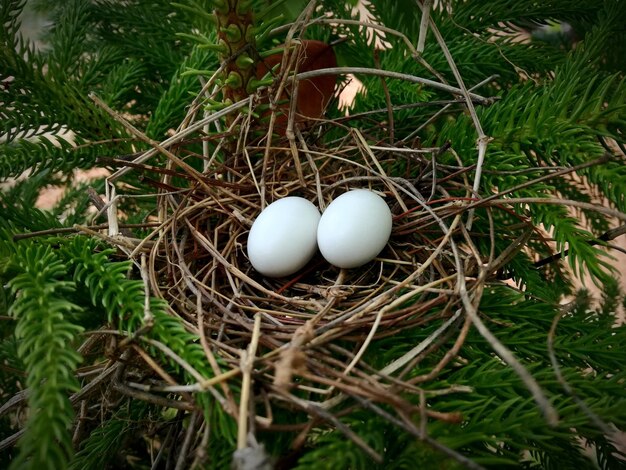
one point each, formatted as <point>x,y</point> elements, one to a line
<point>302,342</point>
<point>210,280</point>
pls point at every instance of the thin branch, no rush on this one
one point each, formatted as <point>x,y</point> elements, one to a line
<point>15,400</point>
<point>594,418</point>
<point>62,230</point>
<point>421,40</point>
<point>482,139</point>
<point>11,440</point>
<point>390,74</point>
<point>181,135</point>
<point>564,171</point>
<point>247,361</point>
<point>557,201</point>
<point>404,359</point>
<point>505,354</point>
<point>605,237</point>
<point>189,435</point>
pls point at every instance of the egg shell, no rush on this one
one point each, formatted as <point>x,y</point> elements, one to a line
<point>283,238</point>
<point>354,228</point>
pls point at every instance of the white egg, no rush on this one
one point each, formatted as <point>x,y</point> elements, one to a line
<point>283,238</point>
<point>354,228</point>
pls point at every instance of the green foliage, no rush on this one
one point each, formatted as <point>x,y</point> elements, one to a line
<point>44,154</point>
<point>123,301</point>
<point>46,334</point>
<point>329,449</point>
<point>106,282</point>
<point>18,215</point>
<point>560,103</point>
<point>100,448</point>
<point>171,107</point>
<point>500,419</point>
<point>476,16</point>
<point>499,403</point>
<point>556,121</point>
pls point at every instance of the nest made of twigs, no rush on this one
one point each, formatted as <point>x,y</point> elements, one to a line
<point>302,340</point>
<point>205,245</point>
<point>205,274</point>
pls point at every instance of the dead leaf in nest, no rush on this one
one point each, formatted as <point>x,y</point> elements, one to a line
<point>314,93</point>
